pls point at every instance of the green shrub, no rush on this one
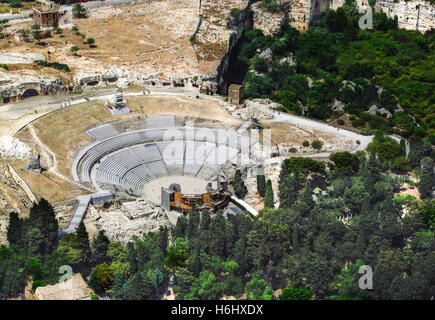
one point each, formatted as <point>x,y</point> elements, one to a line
<point>306,144</point>
<point>271,6</point>
<point>55,65</point>
<point>37,35</point>
<point>234,12</point>
<point>15,3</point>
<point>316,144</point>
<point>260,64</point>
<point>366,132</point>
<point>292,150</point>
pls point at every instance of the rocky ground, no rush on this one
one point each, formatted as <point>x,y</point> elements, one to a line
<point>123,221</point>
<point>157,47</point>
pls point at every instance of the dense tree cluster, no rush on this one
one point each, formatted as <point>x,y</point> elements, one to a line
<point>32,246</point>
<point>388,67</point>
<point>303,247</point>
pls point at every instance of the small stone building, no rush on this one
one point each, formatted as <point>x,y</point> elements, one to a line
<point>49,15</point>
<point>235,94</point>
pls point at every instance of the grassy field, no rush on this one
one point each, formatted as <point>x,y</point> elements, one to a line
<point>194,108</point>
<point>64,131</point>
<point>5,8</point>
<point>46,185</point>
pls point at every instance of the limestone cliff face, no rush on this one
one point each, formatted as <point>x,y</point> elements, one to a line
<point>269,23</point>
<point>412,15</point>
<point>239,24</point>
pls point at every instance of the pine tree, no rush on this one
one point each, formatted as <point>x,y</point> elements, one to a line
<point>15,229</point>
<point>268,199</point>
<point>261,184</point>
<point>427,178</point>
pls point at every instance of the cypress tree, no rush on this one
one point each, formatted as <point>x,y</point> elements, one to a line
<point>403,147</point>
<point>305,200</point>
<point>427,178</point>
<point>50,227</point>
<point>180,228</point>
<point>140,288</point>
<point>193,223</point>
<point>83,240</point>
<point>295,237</point>
<point>205,220</point>
<point>116,291</point>
<point>239,186</point>
<point>162,238</point>
<point>15,229</point>
<point>131,256</point>
<point>268,199</point>
<point>195,264</point>
<point>100,246</point>
<point>373,167</point>
<point>217,239</point>
<point>261,183</point>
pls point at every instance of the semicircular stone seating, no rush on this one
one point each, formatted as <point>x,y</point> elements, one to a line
<point>131,160</point>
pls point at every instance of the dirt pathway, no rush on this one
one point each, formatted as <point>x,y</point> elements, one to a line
<point>46,152</point>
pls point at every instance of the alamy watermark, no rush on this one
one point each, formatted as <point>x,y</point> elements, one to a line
<point>366,280</point>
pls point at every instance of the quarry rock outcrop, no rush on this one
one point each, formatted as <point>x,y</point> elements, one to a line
<point>15,84</point>
<point>412,15</point>
<point>269,23</point>
<point>122,222</point>
<point>241,23</point>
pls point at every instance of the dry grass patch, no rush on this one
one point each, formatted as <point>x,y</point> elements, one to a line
<point>182,106</point>
<point>46,185</point>
<point>63,131</point>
